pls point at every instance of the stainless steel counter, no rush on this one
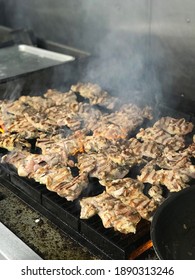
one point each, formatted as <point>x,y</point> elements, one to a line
<point>13,248</point>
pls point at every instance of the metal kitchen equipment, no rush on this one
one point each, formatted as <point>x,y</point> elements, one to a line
<point>65,214</point>
<point>147,47</point>
<point>173,227</point>
<point>13,248</point>
<point>19,60</point>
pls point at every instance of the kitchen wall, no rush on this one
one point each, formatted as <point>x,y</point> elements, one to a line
<point>137,45</point>
<point>2,12</point>
<point>173,45</point>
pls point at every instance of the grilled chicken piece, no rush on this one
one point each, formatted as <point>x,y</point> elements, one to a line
<point>27,163</point>
<point>30,105</point>
<point>161,137</point>
<point>122,156</point>
<point>86,162</point>
<point>130,192</point>
<point>188,170</point>
<point>15,158</point>
<point>89,206</point>
<point>174,126</point>
<point>51,176</point>
<point>110,131</point>
<point>95,95</point>
<point>51,144</point>
<point>100,166</point>
<point>33,162</point>
<point>52,118</point>
<point>95,144</point>
<point>147,148</point>
<point>66,118</point>
<point>134,111</point>
<point>60,180</point>
<point>70,120</point>
<point>11,109</point>
<point>174,180</point>
<point>37,102</point>
<point>58,98</point>
<point>173,159</point>
<point>119,124</point>
<point>113,213</point>
<point>109,170</point>
<point>74,188</point>
<point>13,142</point>
<point>156,193</point>
<point>149,174</point>
<point>47,170</point>
<point>66,146</point>
<point>40,122</point>
<point>85,110</point>
<point>20,126</point>
<point>191,149</point>
<point>127,117</point>
<point>179,161</point>
<point>74,115</point>
<point>117,152</point>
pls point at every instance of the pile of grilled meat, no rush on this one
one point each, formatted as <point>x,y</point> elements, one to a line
<point>62,140</point>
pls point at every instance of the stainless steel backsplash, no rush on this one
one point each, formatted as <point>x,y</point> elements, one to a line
<point>138,45</point>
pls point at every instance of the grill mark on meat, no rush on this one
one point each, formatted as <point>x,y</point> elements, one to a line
<point>106,154</point>
<point>130,192</point>
<point>112,212</point>
<point>174,126</point>
<point>95,95</point>
<point>148,149</point>
<point>174,179</point>
<point>161,137</point>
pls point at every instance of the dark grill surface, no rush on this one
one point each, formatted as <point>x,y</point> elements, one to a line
<point>65,214</point>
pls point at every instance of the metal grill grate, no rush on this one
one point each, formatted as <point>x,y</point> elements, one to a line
<point>65,214</point>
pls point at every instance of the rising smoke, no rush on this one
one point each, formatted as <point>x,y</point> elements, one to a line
<point>116,33</point>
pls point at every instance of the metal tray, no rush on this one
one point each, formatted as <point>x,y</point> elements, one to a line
<point>22,59</point>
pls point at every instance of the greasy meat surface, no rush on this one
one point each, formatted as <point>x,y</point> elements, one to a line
<point>112,212</point>
<point>66,140</point>
<point>13,142</point>
<point>147,148</point>
<point>56,98</point>
<point>21,127</point>
<point>173,159</point>
<point>111,131</point>
<point>95,95</point>
<point>119,124</point>
<point>49,171</point>
<point>175,180</point>
<point>15,158</point>
<point>100,166</point>
<point>161,137</point>
<point>156,193</point>
<point>174,126</point>
<point>130,192</point>
<point>69,145</point>
<point>191,149</point>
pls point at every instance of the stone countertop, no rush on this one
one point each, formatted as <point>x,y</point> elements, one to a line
<point>37,231</point>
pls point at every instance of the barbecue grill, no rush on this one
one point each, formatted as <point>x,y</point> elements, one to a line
<point>65,214</point>
<point>105,243</point>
